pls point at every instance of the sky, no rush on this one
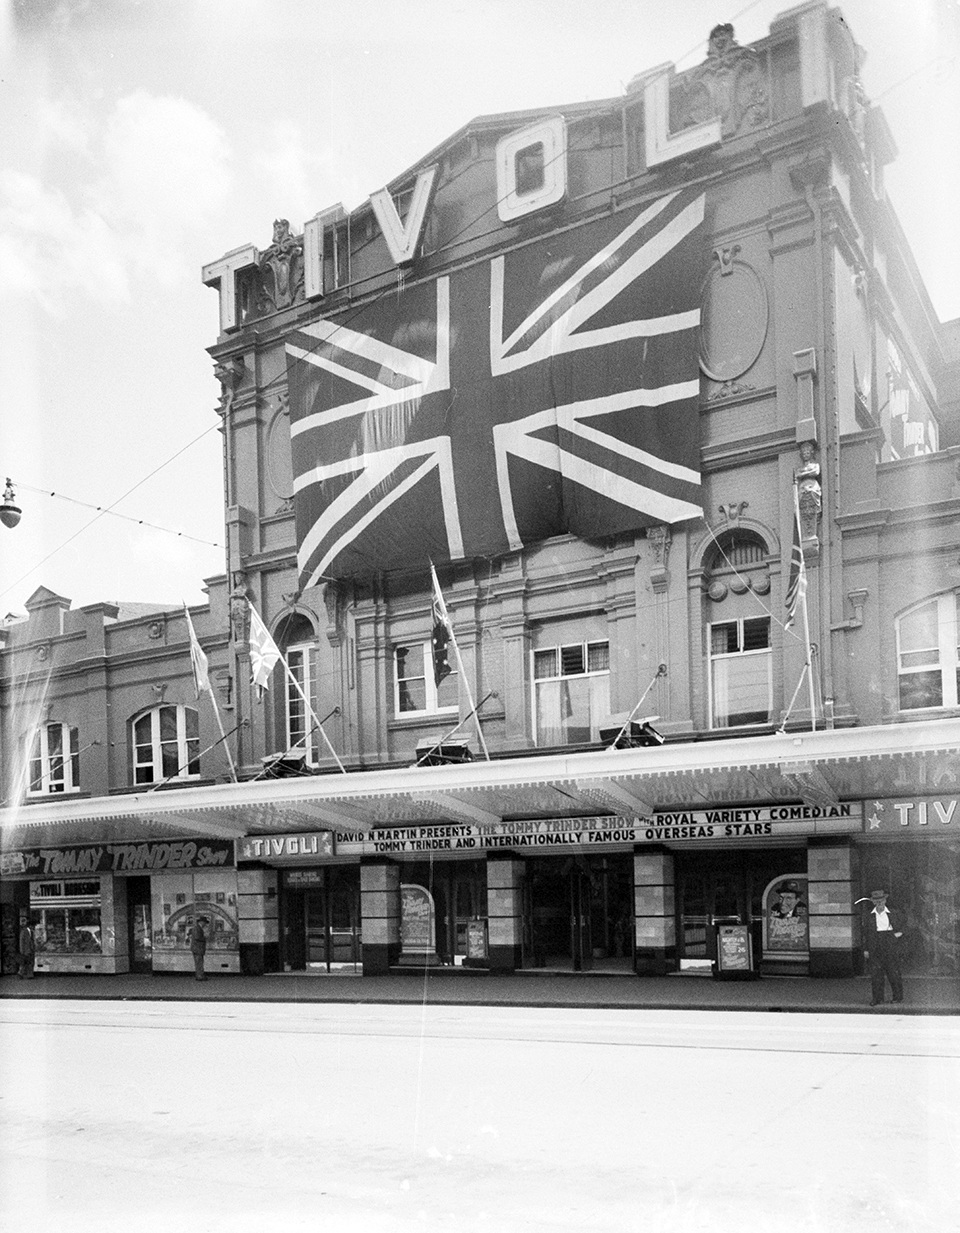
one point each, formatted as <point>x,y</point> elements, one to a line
<point>142,139</point>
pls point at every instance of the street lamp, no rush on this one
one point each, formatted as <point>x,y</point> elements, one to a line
<point>9,509</point>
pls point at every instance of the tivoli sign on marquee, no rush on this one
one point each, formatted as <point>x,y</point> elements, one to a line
<point>559,834</point>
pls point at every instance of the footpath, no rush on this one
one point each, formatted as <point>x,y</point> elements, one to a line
<point>922,995</point>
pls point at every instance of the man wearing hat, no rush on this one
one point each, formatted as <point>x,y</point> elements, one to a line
<point>882,934</point>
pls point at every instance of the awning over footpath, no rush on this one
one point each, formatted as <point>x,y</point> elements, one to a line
<point>816,768</point>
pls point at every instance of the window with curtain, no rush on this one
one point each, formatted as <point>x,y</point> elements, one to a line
<point>166,744</point>
<point>928,654</point>
<point>741,672</point>
<point>54,758</point>
<point>415,691</point>
<point>571,692</point>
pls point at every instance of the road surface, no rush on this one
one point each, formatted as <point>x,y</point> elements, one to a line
<point>389,1119</point>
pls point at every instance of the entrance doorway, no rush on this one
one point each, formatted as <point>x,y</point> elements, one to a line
<point>139,925</point>
<point>321,919</point>
<point>579,913</point>
<point>724,888</point>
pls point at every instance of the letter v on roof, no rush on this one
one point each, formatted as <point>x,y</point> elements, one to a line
<point>403,238</point>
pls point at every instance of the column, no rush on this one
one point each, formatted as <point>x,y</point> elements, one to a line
<point>834,925</point>
<point>379,914</point>
<point>258,923</point>
<point>505,913</point>
<point>655,926</point>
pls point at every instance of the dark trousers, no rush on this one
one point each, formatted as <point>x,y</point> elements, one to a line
<point>198,965</point>
<point>25,967</point>
<point>884,961</point>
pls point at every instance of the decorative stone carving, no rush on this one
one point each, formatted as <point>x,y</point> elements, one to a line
<point>734,318</point>
<point>659,540</point>
<point>224,686</point>
<point>43,652</point>
<point>159,688</point>
<point>239,607</point>
<point>733,511</point>
<point>229,372</point>
<point>278,455</point>
<point>809,492</point>
<point>731,84</point>
<point>157,628</point>
<point>281,269</point>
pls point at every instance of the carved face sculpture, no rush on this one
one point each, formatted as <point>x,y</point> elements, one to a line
<point>281,230</point>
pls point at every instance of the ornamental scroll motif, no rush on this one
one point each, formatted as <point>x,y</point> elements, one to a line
<point>276,281</point>
<point>731,84</point>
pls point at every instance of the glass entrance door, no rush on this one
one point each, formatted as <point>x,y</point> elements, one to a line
<point>580,912</point>
<point>321,919</point>
<point>709,897</point>
<point>139,924</point>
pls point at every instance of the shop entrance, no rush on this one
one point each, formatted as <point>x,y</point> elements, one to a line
<point>139,925</point>
<point>723,888</point>
<point>579,913</point>
<point>321,919</point>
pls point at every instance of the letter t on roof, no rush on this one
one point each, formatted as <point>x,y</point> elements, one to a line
<point>222,274</point>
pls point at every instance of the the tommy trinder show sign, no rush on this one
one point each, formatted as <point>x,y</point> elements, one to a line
<point>549,834</point>
<point>118,858</point>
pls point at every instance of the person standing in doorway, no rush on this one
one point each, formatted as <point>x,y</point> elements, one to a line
<point>883,934</point>
<point>26,949</point>
<point>198,946</point>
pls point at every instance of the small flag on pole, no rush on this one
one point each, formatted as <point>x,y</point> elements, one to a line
<point>797,582</point>
<point>264,653</point>
<point>201,668</point>
<point>441,634</point>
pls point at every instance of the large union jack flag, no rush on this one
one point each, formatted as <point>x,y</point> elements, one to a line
<point>551,389</point>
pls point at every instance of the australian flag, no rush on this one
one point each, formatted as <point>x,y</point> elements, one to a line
<point>553,388</point>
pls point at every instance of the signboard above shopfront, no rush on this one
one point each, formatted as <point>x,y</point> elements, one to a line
<point>558,834</point>
<point>132,858</point>
<point>913,817</point>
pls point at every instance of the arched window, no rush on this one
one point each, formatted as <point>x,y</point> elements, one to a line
<point>738,630</point>
<point>928,653</point>
<point>296,639</point>
<point>54,760</point>
<point>166,744</point>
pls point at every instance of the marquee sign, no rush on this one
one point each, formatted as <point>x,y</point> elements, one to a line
<point>548,835</point>
<point>913,817</point>
<point>551,389</point>
<point>119,858</point>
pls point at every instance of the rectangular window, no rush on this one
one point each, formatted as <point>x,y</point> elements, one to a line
<point>301,734</point>
<point>54,761</point>
<point>571,692</point>
<point>741,676</point>
<point>414,689</point>
<point>928,654</point>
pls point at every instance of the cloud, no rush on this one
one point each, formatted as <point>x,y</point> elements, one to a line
<point>166,173</point>
<point>117,200</point>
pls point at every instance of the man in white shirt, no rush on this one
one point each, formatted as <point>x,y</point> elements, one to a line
<point>882,935</point>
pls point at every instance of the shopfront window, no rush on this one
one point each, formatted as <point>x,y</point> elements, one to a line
<point>741,675</point>
<point>166,744</point>
<point>928,654</point>
<point>54,760</point>
<point>66,917</point>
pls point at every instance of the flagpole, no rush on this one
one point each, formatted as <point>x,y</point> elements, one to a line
<point>456,650</point>
<point>313,715</point>
<point>459,724</point>
<point>201,679</point>
<point>223,736</point>
<point>661,671</point>
<point>806,621</point>
<point>268,655</point>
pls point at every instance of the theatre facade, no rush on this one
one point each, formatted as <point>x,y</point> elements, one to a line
<point>597,481</point>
